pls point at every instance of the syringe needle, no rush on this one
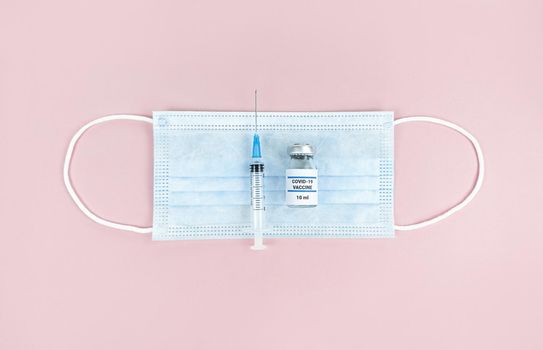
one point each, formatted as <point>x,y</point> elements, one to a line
<point>256,119</point>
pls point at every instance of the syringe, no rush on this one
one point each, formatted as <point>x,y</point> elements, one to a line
<point>257,189</point>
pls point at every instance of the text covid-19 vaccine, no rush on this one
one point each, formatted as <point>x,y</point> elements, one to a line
<point>302,177</point>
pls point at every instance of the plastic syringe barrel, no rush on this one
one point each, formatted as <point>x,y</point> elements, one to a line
<point>257,202</point>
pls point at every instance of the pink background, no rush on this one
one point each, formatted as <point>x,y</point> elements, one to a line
<point>473,281</point>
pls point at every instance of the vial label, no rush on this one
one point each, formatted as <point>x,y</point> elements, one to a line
<point>302,187</point>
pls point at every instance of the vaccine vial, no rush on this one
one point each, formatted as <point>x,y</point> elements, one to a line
<point>302,177</point>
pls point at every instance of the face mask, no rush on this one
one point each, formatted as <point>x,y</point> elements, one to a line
<point>325,174</point>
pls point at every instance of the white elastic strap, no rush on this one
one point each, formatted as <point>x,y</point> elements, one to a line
<point>478,182</point>
<point>67,163</point>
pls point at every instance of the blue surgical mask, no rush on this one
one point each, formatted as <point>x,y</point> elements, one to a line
<point>202,180</point>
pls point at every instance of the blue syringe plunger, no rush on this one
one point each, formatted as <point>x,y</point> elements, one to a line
<point>256,146</point>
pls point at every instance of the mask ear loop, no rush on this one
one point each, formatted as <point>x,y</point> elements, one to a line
<point>68,183</point>
<point>478,182</point>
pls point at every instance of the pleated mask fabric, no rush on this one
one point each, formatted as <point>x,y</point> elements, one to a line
<point>202,184</point>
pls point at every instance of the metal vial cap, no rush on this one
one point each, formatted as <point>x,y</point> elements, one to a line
<point>301,149</point>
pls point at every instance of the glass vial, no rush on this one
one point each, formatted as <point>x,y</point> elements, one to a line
<point>302,177</point>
